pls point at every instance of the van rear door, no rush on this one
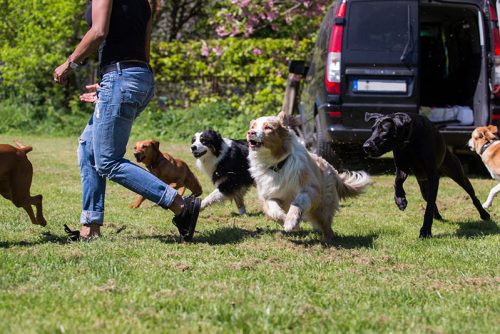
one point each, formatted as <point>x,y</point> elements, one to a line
<point>380,58</point>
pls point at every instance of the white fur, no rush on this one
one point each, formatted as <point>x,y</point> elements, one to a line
<point>306,187</point>
<point>208,164</point>
<point>490,158</point>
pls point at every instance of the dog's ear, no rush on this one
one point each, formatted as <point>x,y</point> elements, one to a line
<point>155,144</point>
<point>401,122</point>
<point>401,119</point>
<point>288,120</point>
<point>492,133</point>
<point>371,115</point>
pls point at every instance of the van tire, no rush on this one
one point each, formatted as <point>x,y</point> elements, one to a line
<point>323,146</point>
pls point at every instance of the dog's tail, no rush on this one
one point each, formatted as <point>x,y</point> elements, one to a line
<point>352,184</point>
<point>24,148</point>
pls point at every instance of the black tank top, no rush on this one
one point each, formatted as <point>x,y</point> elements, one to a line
<point>126,38</point>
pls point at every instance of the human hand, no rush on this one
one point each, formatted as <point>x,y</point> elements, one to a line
<point>61,73</point>
<point>91,95</point>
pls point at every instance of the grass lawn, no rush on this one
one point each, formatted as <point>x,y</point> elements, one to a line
<point>242,274</point>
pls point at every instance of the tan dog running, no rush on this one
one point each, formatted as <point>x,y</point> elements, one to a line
<point>292,183</point>
<point>174,172</point>
<point>16,173</point>
<point>485,142</point>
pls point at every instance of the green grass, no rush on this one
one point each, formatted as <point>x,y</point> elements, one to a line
<point>241,274</point>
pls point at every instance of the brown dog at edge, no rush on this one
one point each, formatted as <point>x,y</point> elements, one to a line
<point>485,142</point>
<point>174,172</point>
<point>16,173</point>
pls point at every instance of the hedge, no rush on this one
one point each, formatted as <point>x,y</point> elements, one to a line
<point>249,74</point>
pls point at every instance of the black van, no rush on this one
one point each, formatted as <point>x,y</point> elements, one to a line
<point>437,57</point>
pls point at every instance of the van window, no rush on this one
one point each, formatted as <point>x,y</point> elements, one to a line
<point>378,25</point>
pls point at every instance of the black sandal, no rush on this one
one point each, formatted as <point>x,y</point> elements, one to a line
<point>186,220</point>
<point>73,235</point>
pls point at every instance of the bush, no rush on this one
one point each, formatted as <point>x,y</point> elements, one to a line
<point>249,74</point>
<point>33,42</point>
<point>172,124</point>
<point>25,117</point>
<point>181,124</point>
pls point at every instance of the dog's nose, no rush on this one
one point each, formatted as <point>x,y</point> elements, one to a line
<point>251,133</point>
<point>368,146</point>
<point>193,148</point>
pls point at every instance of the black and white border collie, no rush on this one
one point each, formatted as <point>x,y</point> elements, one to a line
<point>225,162</point>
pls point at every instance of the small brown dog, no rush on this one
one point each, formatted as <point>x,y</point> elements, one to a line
<point>16,173</point>
<point>485,142</point>
<point>173,171</point>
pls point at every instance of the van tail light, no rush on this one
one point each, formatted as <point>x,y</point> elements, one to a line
<point>332,75</point>
<point>496,48</point>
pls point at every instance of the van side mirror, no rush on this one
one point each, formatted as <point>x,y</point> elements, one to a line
<point>298,67</point>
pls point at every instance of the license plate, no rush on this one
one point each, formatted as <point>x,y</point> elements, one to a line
<point>379,86</point>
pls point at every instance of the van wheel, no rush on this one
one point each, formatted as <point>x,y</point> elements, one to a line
<point>323,147</point>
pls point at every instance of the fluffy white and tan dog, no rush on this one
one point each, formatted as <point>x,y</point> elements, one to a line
<point>292,183</point>
<point>485,142</point>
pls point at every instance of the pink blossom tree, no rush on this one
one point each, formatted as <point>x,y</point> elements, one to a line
<point>286,18</point>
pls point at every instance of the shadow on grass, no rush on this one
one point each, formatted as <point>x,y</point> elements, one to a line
<point>473,229</point>
<point>471,163</point>
<point>339,241</point>
<point>231,235</point>
<point>47,237</point>
<point>248,214</point>
<point>222,236</point>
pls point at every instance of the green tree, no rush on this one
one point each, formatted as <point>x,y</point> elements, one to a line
<point>36,36</point>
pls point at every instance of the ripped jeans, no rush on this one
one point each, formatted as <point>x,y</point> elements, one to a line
<point>121,98</point>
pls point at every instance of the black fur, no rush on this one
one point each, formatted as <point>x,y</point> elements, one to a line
<point>418,147</point>
<point>231,172</point>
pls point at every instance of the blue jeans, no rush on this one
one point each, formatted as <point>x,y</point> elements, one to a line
<point>121,98</point>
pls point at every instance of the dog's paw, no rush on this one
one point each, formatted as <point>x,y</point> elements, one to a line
<point>41,221</point>
<point>486,205</point>
<point>401,202</point>
<point>292,219</point>
<point>291,225</point>
<point>288,227</point>
<point>485,215</point>
<point>438,216</point>
<point>424,234</point>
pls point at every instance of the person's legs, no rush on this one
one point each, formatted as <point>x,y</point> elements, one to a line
<point>93,185</point>
<point>124,97</point>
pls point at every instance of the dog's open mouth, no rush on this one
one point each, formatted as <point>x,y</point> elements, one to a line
<point>253,144</point>
<point>139,157</point>
<point>198,154</point>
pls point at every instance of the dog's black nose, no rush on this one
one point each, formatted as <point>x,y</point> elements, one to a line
<point>367,146</point>
<point>193,148</point>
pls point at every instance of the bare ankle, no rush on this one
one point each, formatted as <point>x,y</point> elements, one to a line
<point>177,205</point>
<point>90,231</point>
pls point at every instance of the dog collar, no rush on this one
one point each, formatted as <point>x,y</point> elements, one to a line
<point>276,168</point>
<point>485,146</point>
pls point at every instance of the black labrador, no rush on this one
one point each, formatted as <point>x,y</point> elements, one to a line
<point>417,146</point>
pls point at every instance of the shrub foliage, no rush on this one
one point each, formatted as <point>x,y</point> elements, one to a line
<point>249,74</point>
<point>237,77</point>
